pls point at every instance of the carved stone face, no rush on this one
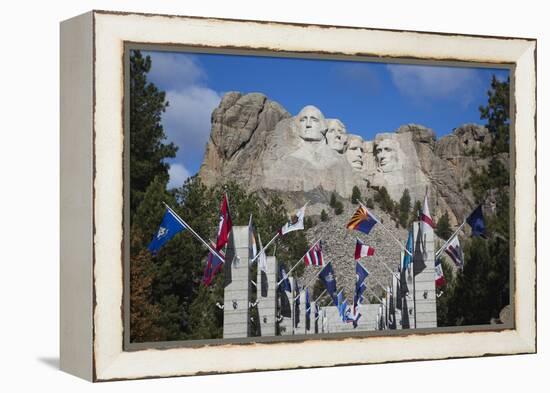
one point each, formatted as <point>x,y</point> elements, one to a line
<point>336,135</point>
<point>387,159</point>
<point>354,152</point>
<point>311,124</point>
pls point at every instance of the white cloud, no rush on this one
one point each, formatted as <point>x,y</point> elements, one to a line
<point>178,174</point>
<point>176,70</point>
<point>435,82</point>
<point>187,119</point>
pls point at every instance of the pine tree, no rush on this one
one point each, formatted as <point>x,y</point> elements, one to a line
<point>443,227</point>
<point>332,200</point>
<point>355,195</point>
<point>324,215</point>
<point>404,208</point>
<point>147,148</point>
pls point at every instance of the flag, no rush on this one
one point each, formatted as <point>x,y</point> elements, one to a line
<point>262,258</point>
<point>361,274</point>
<point>407,258</point>
<point>476,221</point>
<point>342,305</point>
<point>285,303</point>
<point>327,277</point>
<point>352,318</point>
<point>225,224</point>
<point>285,283</point>
<point>252,247</point>
<point>362,220</point>
<point>454,250</point>
<point>169,227</point>
<point>213,266</point>
<point>315,255</point>
<point>295,222</point>
<point>362,250</point>
<point>425,216</point>
<point>439,277</point>
<point>308,311</point>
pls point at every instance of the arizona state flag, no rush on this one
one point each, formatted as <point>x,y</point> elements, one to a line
<point>362,220</point>
<point>225,225</point>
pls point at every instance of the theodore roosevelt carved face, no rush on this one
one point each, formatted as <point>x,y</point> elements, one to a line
<point>311,124</point>
<point>337,137</point>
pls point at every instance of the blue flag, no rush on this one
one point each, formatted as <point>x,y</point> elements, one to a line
<point>360,285</point>
<point>169,227</point>
<point>327,277</point>
<point>476,222</point>
<point>407,258</point>
<point>285,284</point>
<point>342,305</point>
<point>308,304</point>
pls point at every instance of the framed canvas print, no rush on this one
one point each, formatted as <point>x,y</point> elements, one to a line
<point>246,195</point>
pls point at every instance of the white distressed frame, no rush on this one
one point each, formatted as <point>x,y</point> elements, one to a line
<point>111,30</point>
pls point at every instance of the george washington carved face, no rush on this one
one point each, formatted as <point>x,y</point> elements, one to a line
<point>311,124</point>
<point>337,137</point>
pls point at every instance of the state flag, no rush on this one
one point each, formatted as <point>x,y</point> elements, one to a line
<point>362,250</point>
<point>425,216</point>
<point>361,274</point>
<point>262,265</point>
<point>285,283</point>
<point>169,227</point>
<point>314,256</point>
<point>407,258</point>
<point>327,278</point>
<point>362,220</point>
<point>252,247</point>
<point>295,222</point>
<point>476,221</point>
<point>213,266</point>
<point>439,277</point>
<point>225,224</point>
<point>454,250</point>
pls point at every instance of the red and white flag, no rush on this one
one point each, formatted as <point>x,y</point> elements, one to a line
<point>439,277</point>
<point>425,216</point>
<point>362,250</point>
<point>225,224</point>
<point>315,255</point>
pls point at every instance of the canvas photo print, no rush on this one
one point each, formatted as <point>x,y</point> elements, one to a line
<point>280,198</point>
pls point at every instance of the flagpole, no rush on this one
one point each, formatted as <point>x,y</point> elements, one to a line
<point>192,231</point>
<point>320,296</point>
<point>374,294</point>
<point>387,230</point>
<point>264,248</point>
<point>299,260</point>
<point>449,239</point>
<point>310,281</point>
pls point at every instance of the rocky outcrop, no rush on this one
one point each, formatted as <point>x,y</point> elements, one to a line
<point>257,143</point>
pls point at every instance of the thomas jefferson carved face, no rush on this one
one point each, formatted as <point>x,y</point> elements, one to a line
<point>336,135</point>
<point>311,124</point>
<point>386,153</point>
<point>354,152</point>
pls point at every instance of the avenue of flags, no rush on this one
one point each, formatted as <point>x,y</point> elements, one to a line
<point>362,220</point>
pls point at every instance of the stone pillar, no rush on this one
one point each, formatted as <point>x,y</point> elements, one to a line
<point>237,286</point>
<point>267,306</point>
<point>311,318</point>
<point>425,308</point>
<point>301,328</point>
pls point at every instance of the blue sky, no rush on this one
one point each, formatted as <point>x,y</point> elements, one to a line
<point>367,97</point>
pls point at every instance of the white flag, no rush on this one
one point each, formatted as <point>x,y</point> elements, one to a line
<point>295,223</point>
